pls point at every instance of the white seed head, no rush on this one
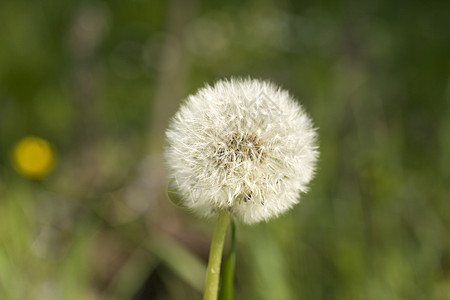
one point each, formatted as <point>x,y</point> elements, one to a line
<point>241,144</point>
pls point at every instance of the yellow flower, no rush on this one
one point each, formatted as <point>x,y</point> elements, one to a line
<point>33,157</point>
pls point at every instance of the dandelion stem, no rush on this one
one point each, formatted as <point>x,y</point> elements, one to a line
<point>227,275</point>
<point>215,255</point>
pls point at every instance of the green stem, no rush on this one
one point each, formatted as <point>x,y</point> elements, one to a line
<point>215,255</point>
<point>227,276</point>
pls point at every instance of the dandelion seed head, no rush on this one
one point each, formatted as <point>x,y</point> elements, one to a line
<point>241,144</point>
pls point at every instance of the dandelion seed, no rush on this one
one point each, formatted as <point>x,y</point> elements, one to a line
<point>244,145</point>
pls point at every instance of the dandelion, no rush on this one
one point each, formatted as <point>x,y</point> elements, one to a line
<point>33,157</point>
<point>242,147</point>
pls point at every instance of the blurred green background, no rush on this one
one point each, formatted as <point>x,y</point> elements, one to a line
<point>98,80</point>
